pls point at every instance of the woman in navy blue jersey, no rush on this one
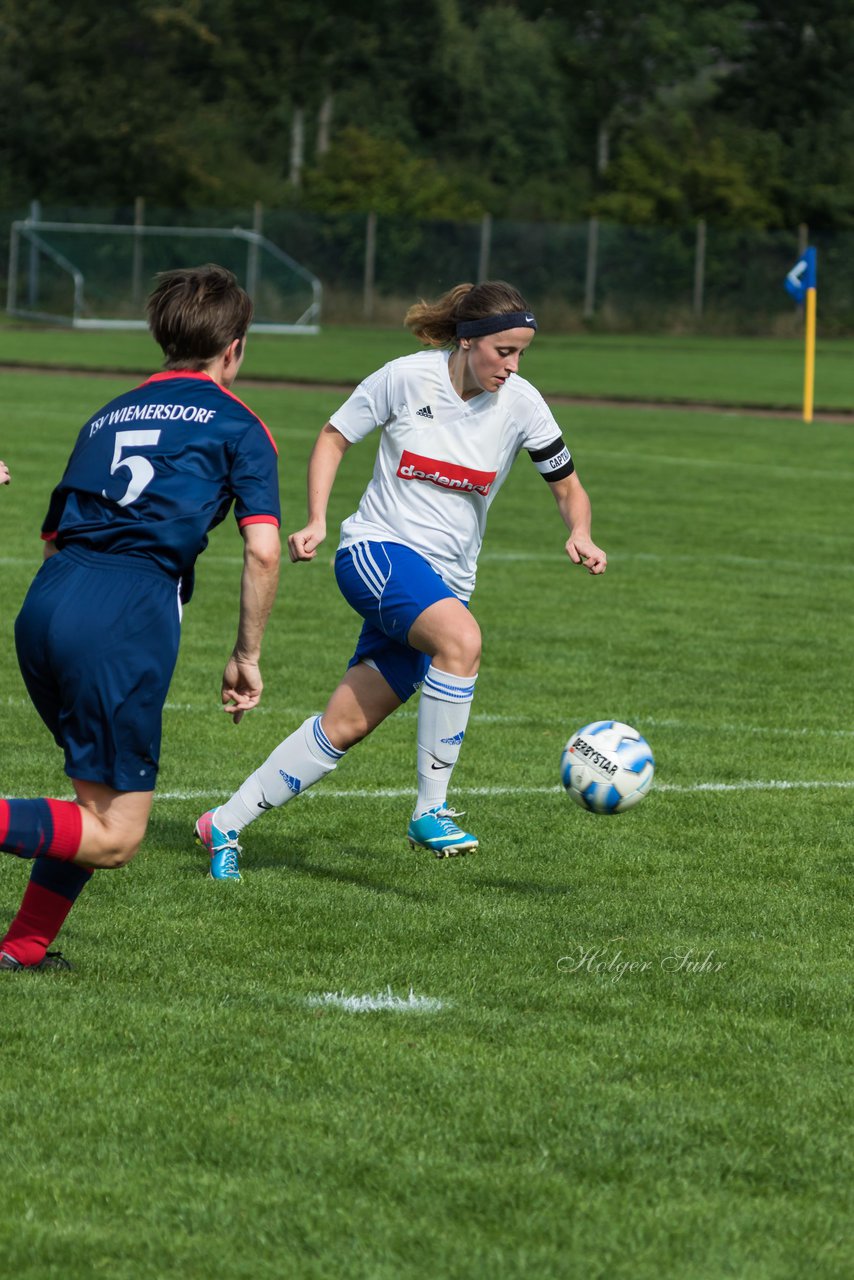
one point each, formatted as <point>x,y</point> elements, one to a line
<point>150,475</point>
<point>451,420</point>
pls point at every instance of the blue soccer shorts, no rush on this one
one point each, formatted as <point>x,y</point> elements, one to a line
<point>389,585</point>
<point>97,643</point>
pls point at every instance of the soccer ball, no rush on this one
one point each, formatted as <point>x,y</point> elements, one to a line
<point>607,767</point>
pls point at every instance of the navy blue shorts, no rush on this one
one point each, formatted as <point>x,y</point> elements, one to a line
<point>97,640</point>
<point>389,585</point>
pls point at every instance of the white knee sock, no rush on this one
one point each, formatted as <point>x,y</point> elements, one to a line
<point>296,764</point>
<point>443,713</point>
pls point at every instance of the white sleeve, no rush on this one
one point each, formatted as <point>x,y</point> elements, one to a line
<point>544,442</point>
<point>541,428</point>
<point>367,408</point>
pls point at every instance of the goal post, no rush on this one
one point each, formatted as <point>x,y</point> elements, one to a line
<point>87,275</point>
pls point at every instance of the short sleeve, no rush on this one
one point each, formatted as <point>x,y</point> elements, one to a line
<point>544,442</point>
<point>254,478</point>
<point>54,515</point>
<point>56,506</point>
<point>370,406</point>
<point>541,427</point>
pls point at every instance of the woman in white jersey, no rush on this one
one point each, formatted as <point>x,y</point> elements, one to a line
<point>452,419</point>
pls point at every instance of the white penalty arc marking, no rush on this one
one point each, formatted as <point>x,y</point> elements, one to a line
<point>399,793</point>
<point>381,1002</point>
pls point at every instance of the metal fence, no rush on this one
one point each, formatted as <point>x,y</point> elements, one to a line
<point>593,274</point>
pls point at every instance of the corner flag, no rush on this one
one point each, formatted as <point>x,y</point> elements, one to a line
<point>801,284</point>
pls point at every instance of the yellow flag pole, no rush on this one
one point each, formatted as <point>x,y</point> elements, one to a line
<point>809,356</point>
<point>801,284</point>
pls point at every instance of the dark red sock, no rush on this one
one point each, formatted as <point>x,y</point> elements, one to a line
<point>41,828</point>
<point>53,889</point>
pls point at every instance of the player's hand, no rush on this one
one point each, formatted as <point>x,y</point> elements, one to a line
<point>303,544</point>
<point>4,473</point>
<point>582,550</point>
<point>241,687</point>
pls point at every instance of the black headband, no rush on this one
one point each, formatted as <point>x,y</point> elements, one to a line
<point>495,324</point>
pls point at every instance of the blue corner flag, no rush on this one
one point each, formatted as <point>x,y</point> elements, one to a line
<point>801,284</point>
<point>802,276</point>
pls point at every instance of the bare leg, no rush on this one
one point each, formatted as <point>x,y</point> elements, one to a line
<point>108,828</point>
<point>114,823</point>
<point>362,701</point>
<point>449,634</point>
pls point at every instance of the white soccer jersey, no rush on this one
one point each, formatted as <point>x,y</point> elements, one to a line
<point>441,459</point>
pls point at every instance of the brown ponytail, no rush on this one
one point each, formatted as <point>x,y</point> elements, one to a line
<point>435,323</point>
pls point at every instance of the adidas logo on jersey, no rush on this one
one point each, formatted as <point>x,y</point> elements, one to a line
<point>426,412</point>
<point>293,783</point>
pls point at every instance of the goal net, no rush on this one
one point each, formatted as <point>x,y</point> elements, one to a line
<point>97,276</point>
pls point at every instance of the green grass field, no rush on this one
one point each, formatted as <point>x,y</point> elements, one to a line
<point>617,1048</point>
<point>729,372</point>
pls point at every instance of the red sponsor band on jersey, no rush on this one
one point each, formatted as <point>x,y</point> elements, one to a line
<point>445,475</point>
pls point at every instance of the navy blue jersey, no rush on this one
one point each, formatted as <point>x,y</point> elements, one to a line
<point>159,467</point>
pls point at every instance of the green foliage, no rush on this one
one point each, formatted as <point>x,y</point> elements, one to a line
<point>509,110</point>
<point>668,174</point>
<point>362,172</point>
<point>793,83</point>
<point>513,106</point>
<point>619,56</point>
<point>112,103</point>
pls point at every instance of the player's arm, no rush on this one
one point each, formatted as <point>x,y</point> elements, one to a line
<point>323,465</point>
<point>53,519</point>
<point>574,506</point>
<point>4,473</point>
<point>241,681</point>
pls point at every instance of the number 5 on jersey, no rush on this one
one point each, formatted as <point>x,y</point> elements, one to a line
<point>141,470</point>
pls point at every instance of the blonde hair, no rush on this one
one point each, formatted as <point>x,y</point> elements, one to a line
<point>435,323</point>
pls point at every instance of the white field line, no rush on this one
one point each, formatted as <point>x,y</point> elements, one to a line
<point>286,713</point>
<point>727,464</point>
<point>382,1001</point>
<point>406,713</point>
<point>652,557</point>
<point>643,722</point>
<point>772,731</point>
<point>399,793</point>
<point>34,562</point>
<point>615,557</point>
<point>300,713</point>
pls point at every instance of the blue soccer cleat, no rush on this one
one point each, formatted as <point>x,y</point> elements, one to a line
<point>437,831</point>
<point>221,845</point>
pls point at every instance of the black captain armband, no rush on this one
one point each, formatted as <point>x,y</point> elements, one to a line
<point>554,462</point>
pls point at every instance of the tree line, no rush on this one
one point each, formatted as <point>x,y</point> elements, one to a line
<point>659,112</point>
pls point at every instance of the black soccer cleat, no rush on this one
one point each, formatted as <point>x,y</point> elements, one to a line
<point>52,960</point>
